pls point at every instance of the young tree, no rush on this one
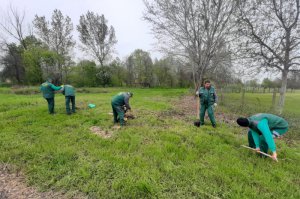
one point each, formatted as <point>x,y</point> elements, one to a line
<point>97,38</point>
<point>269,33</point>
<point>58,37</point>
<point>192,29</point>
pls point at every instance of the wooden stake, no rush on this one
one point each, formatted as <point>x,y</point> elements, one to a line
<point>198,107</point>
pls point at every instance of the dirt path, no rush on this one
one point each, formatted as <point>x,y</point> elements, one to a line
<point>187,108</point>
<point>13,186</point>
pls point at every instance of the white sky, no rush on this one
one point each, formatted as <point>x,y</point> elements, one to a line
<point>124,15</point>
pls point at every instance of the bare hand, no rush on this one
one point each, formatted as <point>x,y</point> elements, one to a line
<point>274,156</point>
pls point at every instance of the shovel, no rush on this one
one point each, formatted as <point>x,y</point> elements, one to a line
<point>197,122</point>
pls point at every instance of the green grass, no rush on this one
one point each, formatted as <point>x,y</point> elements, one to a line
<point>263,102</point>
<point>155,156</point>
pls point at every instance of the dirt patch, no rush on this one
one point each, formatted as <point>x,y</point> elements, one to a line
<point>13,186</point>
<point>102,133</point>
<point>186,107</point>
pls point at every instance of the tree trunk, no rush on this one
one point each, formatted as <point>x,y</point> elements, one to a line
<point>283,90</point>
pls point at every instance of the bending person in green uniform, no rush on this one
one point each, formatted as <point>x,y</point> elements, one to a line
<point>263,128</point>
<point>208,99</point>
<point>117,103</point>
<point>48,89</point>
<point>69,92</point>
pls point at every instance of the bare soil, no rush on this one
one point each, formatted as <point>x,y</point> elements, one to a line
<point>13,186</point>
<point>102,133</point>
<point>186,108</point>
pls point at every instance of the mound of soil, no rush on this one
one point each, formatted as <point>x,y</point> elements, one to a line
<point>102,133</point>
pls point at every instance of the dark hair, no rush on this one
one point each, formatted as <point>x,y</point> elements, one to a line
<point>243,122</point>
<point>206,81</point>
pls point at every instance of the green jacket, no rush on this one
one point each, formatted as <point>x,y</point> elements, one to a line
<point>263,124</point>
<point>208,96</point>
<point>48,89</point>
<point>121,99</point>
<point>68,90</point>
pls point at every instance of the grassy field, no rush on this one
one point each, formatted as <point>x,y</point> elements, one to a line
<point>158,155</point>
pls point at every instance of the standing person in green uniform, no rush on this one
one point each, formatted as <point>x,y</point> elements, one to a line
<point>263,128</point>
<point>69,92</point>
<point>117,103</point>
<point>48,89</point>
<point>208,99</point>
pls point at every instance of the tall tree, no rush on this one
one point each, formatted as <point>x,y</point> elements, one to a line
<point>58,37</point>
<point>13,25</point>
<point>193,29</point>
<point>97,38</point>
<point>269,31</point>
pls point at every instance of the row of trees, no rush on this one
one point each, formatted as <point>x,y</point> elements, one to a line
<point>46,48</point>
<point>270,84</point>
<point>137,70</point>
<point>205,38</point>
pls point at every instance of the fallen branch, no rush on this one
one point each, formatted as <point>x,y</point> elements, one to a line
<point>265,154</point>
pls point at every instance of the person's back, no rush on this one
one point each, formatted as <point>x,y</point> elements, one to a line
<point>47,90</point>
<point>118,100</point>
<point>274,121</point>
<point>69,90</point>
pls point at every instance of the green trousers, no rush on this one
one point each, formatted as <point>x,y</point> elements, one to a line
<point>119,113</point>
<point>50,105</point>
<point>210,112</point>
<point>262,142</point>
<point>68,100</point>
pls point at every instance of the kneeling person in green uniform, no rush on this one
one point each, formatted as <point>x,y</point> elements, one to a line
<point>117,103</point>
<point>48,89</point>
<point>263,128</point>
<point>69,92</point>
<point>208,99</point>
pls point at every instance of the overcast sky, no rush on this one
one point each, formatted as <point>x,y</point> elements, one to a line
<point>124,15</point>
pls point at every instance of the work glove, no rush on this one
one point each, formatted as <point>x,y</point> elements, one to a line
<point>215,104</point>
<point>197,93</point>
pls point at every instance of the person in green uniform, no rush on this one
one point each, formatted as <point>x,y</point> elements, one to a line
<point>263,128</point>
<point>208,100</point>
<point>48,89</point>
<point>69,92</point>
<point>118,102</point>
